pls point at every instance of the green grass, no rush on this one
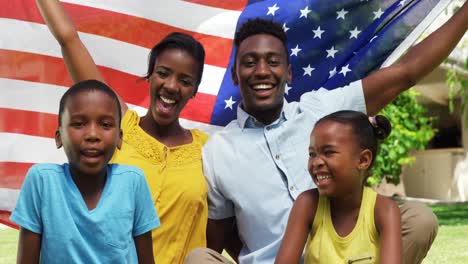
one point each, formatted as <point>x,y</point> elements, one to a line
<point>450,245</point>
<point>453,214</point>
<point>8,244</point>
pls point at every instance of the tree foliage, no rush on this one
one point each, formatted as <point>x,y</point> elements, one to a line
<point>411,130</point>
<point>455,79</point>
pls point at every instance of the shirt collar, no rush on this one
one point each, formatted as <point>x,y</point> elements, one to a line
<point>245,120</point>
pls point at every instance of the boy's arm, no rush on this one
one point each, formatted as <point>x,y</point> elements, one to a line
<point>29,247</point>
<point>381,87</point>
<point>144,248</point>
<point>298,228</point>
<point>387,222</point>
<point>79,62</point>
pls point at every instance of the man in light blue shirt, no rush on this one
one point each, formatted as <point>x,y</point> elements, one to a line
<point>257,166</point>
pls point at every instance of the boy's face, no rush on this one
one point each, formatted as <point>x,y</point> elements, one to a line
<point>90,132</point>
<point>261,72</point>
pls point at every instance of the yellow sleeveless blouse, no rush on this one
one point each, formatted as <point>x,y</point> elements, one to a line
<point>177,184</point>
<point>361,246</point>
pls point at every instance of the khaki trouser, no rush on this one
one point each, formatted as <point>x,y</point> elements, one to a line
<point>418,230</point>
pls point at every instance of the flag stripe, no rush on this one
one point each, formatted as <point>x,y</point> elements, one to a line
<point>144,32</point>
<point>4,216</point>
<point>8,198</point>
<point>197,109</point>
<point>416,33</point>
<point>28,123</point>
<point>185,15</point>
<point>29,149</point>
<point>231,5</point>
<point>13,174</point>
<point>180,15</point>
<point>131,59</point>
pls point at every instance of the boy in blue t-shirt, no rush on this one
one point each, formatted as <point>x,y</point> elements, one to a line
<point>87,211</point>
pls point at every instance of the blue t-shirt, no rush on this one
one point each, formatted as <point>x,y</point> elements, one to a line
<point>50,204</point>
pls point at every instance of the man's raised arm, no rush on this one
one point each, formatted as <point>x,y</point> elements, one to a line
<point>381,87</point>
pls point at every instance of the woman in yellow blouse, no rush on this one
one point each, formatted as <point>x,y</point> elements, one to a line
<point>169,155</point>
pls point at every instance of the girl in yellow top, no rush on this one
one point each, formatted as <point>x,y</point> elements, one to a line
<point>343,221</point>
<point>169,155</point>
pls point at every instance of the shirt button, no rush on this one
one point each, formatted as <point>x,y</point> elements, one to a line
<point>277,156</point>
<point>291,188</point>
<point>268,128</point>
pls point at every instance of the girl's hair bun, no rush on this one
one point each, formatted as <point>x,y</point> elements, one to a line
<point>381,126</point>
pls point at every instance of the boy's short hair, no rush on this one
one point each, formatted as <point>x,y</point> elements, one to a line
<point>260,26</point>
<point>87,86</point>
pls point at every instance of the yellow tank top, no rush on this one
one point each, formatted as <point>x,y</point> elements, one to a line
<point>175,178</point>
<point>361,246</point>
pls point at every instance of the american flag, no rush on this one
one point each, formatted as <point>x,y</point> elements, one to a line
<point>330,43</point>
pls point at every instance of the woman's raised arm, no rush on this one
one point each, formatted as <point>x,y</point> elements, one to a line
<point>79,62</point>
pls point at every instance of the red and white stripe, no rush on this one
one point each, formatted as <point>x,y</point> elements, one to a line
<point>119,35</point>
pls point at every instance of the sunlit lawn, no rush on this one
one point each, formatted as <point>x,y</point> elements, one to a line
<point>450,246</point>
<point>451,243</point>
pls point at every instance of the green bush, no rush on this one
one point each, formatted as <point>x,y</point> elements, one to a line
<point>411,130</point>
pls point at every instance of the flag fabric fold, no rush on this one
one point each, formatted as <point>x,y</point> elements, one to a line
<point>330,44</point>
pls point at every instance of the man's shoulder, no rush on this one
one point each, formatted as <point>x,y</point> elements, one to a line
<point>228,133</point>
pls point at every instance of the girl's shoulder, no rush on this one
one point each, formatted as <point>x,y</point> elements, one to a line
<point>308,200</point>
<point>309,196</point>
<point>384,209</point>
<point>383,203</point>
<point>199,136</point>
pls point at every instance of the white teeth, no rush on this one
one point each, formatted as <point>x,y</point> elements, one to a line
<point>91,152</point>
<point>262,86</point>
<point>323,177</point>
<point>167,100</point>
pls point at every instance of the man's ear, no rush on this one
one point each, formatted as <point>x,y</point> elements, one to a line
<point>58,139</point>
<point>365,159</point>
<point>119,143</point>
<point>234,75</point>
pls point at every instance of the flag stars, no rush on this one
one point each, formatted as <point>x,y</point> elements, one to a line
<point>287,88</point>
<point>341,14</point>
<point>272,9</point>
<point>285,28</point>
<point>229,103</point>
<point>332,73</point>
<point>305,12</point>
<point>308,70</point>
<point>378,14</point>
<point>331,52</point>
<point>318,32</point>
<point>295,51</point>
<point>354,33</point>
<point>402,3</point>
<point>345,69</point>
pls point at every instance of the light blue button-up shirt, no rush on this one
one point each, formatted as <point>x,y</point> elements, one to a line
<point>255,172</point>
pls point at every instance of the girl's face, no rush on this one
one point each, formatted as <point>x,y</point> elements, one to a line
<point>335,160</point>
<point>172,84</point>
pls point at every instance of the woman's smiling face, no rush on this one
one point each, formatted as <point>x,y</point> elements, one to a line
<point>172,84</point>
